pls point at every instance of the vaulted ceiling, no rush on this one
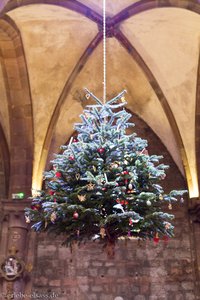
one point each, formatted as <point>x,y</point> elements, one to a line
<point>51,49</point>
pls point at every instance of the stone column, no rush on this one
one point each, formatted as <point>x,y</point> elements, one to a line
<point>14,235</point>
<point>194,211</point>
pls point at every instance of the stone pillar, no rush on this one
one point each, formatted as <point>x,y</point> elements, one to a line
<point>14,235</point>
<point>194,211</point>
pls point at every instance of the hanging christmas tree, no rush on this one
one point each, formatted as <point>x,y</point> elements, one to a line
<point>104,185</point>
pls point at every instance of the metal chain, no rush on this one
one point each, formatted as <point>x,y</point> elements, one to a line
<point>104,51</point>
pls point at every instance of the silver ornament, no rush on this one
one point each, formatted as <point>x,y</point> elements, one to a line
<point>148,202</point>
<point>130,186</point>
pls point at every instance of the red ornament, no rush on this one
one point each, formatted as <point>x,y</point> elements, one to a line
<point>36,206</point>
<point>125,172</point>
<point>54,200</point>
<point>51,193</point>
<point>130,221</point>
<point>71,157</point>
<point>156,239</point>
<point>101,150</point>
<point>58,175</point>
<point>75,215</point>
<point>75,140</point>
<point>104,189</point>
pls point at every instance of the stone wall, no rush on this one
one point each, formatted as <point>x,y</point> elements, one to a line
<point>138,271</point>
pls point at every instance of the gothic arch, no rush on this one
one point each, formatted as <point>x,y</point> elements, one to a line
<point>113,23</point>
<point>158,91</point>
<point>19,104</point>
<point>68,4</point>
<point>135,8</point>
<point>144,5</point>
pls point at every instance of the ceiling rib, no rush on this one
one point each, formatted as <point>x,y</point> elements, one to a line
<point>68,4</point>
<point>144,5</point>
<point>197,123</point>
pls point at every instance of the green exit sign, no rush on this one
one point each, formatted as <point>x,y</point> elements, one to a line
<point>20,195</point>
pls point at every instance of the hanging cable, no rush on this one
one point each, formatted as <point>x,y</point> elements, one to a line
<point>104,51</point>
